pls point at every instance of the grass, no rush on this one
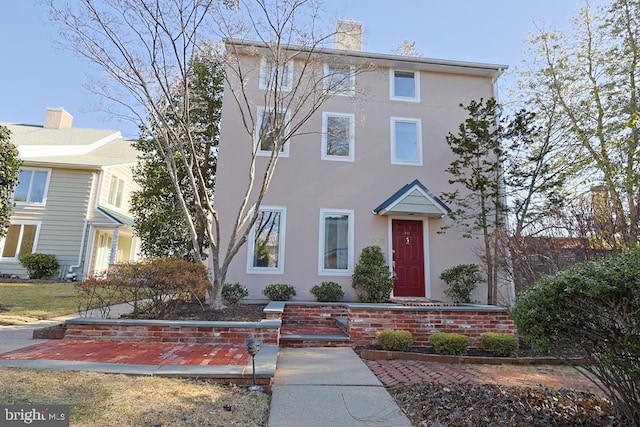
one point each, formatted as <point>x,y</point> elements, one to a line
<point>114,399</point>
<point>26,302</point>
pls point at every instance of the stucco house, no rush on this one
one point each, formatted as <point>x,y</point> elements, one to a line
<point>72,199</point>
<point>375,181</point>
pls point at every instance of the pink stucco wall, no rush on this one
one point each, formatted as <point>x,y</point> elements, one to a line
<point>304,183</point>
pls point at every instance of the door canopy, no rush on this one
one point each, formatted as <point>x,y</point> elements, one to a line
<point>413,199</point>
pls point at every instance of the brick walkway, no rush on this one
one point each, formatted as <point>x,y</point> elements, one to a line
<point>133,353</point>
<point>396,373</point>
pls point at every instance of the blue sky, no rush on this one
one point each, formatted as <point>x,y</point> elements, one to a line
<point>35,74</point>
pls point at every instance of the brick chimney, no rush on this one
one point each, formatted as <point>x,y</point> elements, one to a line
<point>57,118</point>
<point>348,35</point>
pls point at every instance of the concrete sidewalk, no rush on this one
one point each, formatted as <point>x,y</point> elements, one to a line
<point>329,387</point>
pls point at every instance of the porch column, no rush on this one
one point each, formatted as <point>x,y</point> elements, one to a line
<point>114,247</point>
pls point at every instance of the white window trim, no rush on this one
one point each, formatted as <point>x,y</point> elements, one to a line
<point>266,86</point>
<point>285,145</point>
<point>38,225</point>
<point>416,82</point>
<point>352,81</point>
<point>45,192</point>
<point>124,190</point>
<point>418,123</point>
<point>351,239</point>
<point>281,241</point>
<point>352,137</point>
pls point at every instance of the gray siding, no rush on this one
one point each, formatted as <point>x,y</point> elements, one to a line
<point>62,218</point>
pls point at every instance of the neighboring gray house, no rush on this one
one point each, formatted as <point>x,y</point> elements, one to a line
<point>72,199</point>
<point>364,170</point>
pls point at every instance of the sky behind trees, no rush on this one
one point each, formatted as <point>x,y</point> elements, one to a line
<point>36,74</point>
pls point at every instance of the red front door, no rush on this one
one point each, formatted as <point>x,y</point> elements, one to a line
<point>408,257</point>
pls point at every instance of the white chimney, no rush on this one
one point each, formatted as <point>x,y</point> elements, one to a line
<point>348,35</point>
<point>57,118</point>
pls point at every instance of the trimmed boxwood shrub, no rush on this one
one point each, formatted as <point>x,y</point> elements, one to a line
<point>446,343</point>
<point>279,292</point>
<point>39,266</point>
<point>395,340</point>
<point>500,344</point>
<point>328,292</point>
<point>233,293</point>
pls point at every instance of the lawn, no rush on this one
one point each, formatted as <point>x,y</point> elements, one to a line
<point>123,400</point>
<point>26,302</point>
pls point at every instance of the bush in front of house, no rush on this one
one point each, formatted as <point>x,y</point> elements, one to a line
<point>328,292</point>
<point>395,340</point>
<point>371,277</point>
<point>591,310</point>
<point>279,292</point>
<point>162,284</point>
<point>39,266</point>
<point>500,344</point>
<point>461,280</point>
<point>449,344</point>
<point>233,293</point>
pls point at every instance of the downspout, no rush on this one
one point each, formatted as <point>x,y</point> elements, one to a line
<point>70,274</point>
<point>505,219</point>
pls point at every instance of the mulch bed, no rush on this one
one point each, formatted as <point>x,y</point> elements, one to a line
<point>233,313</point>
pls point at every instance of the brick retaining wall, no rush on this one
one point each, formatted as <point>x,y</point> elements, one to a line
<point>364,322</point>
<point>194,332</point>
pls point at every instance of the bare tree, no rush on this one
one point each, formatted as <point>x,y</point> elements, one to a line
<point>144,47</point>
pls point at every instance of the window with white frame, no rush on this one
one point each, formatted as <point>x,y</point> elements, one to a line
<point>406,141</point>
<point>338,136</point>
<point>116,192</point>
<point>270,127</point>
<point>272,72</point>
<point>405,85</point>
<point>266,241</point>
<point>32,187</point>
<point>21,239</point>
<point>339,79</point>
<point>336,242</point>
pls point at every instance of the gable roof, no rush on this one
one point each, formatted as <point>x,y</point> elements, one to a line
<point>117,217</point>
<point>71,147</point>
<point>413,199</point>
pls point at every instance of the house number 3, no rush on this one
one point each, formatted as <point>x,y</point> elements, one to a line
<point>407,240</point>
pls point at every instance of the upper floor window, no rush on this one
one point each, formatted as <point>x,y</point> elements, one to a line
<point>339,79</point>
<point>272,72</point>
<point>271,126</point>
<point>405,85</point>
<point>116,192</point>
<point>338,140</point>
<point>406,141</point>
<point>336,242</point>
<point>20,239</point>
<point>266,241</point>
<point>32,187</point>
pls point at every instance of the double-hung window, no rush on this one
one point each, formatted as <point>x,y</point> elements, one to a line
<point>266,241</point>
<point>116,192</point>
<point>271,127</point>
<point>276,75</point>
<point>406,141</point>
<point>339,79</point>
<point>21,239</point>
<point>405,85</point>
<point>32,187</point>
<point>338,140</point>
<point>336,242</point>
